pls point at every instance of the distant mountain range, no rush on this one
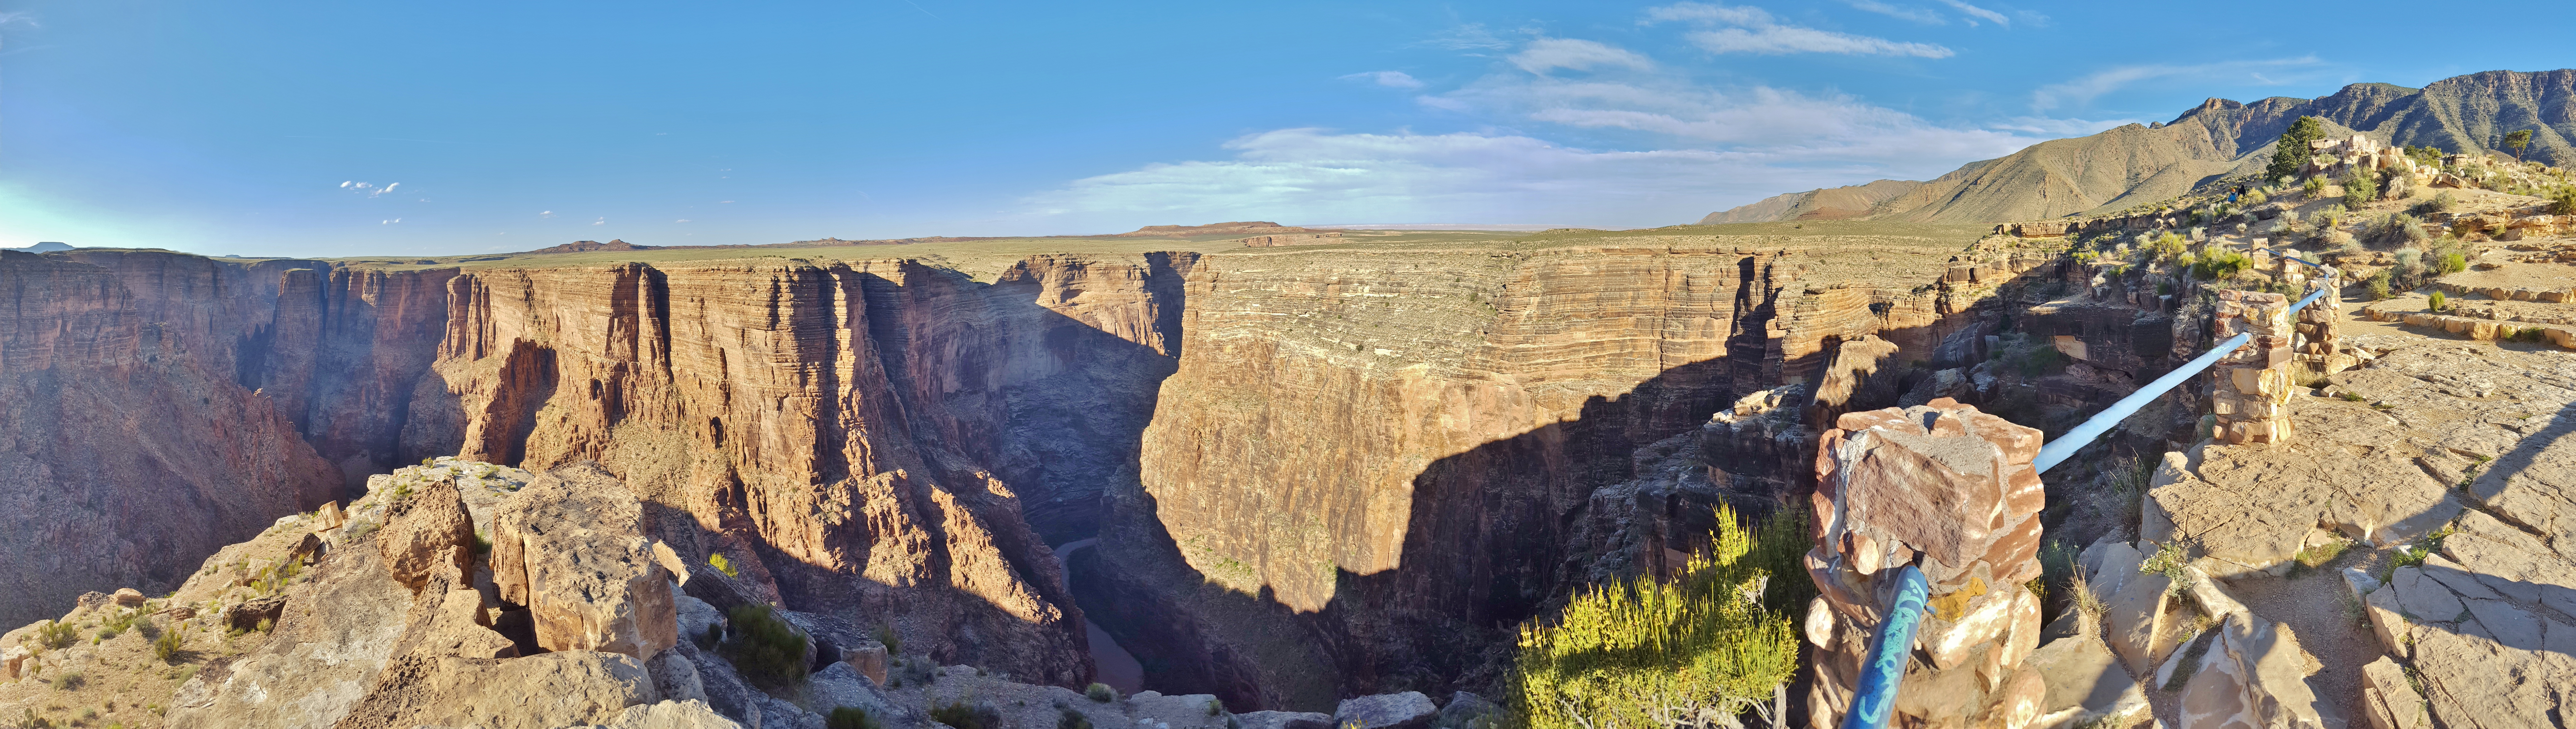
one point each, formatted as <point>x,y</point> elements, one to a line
<point>2218,142</point>
<point>45,247</point>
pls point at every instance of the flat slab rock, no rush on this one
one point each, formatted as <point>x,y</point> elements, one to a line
<point>2434,414</point>
<point>1408,710</point>
<point>2505,656</point>
<point>2471,437</point>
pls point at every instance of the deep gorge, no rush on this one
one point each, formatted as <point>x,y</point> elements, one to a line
<point>1313,473</point>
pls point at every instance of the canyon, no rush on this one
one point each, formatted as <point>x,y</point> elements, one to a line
<point>1310,469</point>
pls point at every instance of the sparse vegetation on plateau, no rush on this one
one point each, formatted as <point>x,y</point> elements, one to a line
<point>1101,692</point>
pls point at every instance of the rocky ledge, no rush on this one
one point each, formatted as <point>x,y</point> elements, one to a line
<point>464,594</point>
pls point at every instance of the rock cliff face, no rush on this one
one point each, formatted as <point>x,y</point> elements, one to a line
<point>127,449</point>
<point>1316,474</point>
<point>1367,462</point>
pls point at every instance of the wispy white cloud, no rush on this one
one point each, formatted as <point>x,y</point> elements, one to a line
<point>1781,39</point>
<point>1469,37</point>
<point>1919,15</point>
<point>601,221</point>
<point>1546,54</point>
<point>1978,12</point>
<point>366,188</point>
<point>546,214</point>
<point>1757,32</point>
<point>1390,79</point>
<point>2081,91</point>
<point>1707,13</point>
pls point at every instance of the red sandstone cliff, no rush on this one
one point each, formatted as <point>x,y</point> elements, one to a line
<point>126,448</point>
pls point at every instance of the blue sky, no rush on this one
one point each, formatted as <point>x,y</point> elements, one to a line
<point>474,127</point>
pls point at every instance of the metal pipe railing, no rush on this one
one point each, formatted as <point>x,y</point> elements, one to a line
<point>2057,451</point>
<point>1874,699</point>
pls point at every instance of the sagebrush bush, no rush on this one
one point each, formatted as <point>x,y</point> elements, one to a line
<point>2361,188</point>
<point>2562,201</point>
<point>964,715</point>
<point>1624,656</point>
<point>57,634</point>
<point>764,647</point>
<point>2377,286</point>
<point>2434,301</point>
<point>1101,692</point>
<point>2442,202</point>
<point>166,646</point>
<point>1067,718</point>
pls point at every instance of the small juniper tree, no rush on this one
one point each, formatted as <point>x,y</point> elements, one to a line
<point>2292,151</point>
<point>2518,141</point>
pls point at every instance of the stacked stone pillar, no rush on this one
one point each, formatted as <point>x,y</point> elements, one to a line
<point>1950,490</point>
<point>2251,394</point>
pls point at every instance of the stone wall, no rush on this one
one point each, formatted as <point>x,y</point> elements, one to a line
<point>1952,491</point>
<point>2250,392</point>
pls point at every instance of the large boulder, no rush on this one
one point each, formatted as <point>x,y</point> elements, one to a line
<point>424,530</point>
<point>841,685</point>
<point>669,715</point>
<point>2253,675</point>
<point>2086,685</point>
<point>571,547</point>
<point>1285,720</point>
<point>1408,710</point>
<point>2388,700</point>
<point>536,692</point>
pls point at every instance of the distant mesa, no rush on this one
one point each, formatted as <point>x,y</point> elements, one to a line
<point>45,247</point>
<point>1319,238</point>
<point>586,246</point>
<point>1240,227</point>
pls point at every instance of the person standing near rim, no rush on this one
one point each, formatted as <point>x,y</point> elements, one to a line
<point>2231,194</point>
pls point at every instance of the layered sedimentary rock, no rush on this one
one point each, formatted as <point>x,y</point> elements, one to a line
<point>857,437</point>
<point>1367,458</point>
<point>127,448</point>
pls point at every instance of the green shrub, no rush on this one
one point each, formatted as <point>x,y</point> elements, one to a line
<point>1620,656</point>
<point>723,565</point>
<point>2434,302</point>
<point>893,642</point>
<point>67,681</point>
<point>765,648</point>
<point>963,715</point>
<point>1070,719</point>
<point>2313,186</point>
<point>2442,202</point>
<point>166,646</point>
<point>1101,692</point>
<point>2452,262</point>
<point>2220,265</point>
<point>2361,188</point>
<point>56,634</point>
<point>2562,201</point>
<point>852,717</point>
<point>2350,396</point>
